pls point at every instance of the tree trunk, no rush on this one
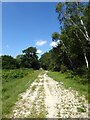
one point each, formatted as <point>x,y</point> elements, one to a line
<point>84,34</point>
<point>84,27</point>
<point>87,36</point>
<point>86,60</point>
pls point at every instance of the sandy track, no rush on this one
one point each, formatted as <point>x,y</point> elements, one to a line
<point>46,98</point>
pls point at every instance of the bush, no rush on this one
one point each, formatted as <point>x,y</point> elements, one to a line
<point>63,68</point>
<point>88,75</point>
<point>81,71</point>
<point>8,75</point>
<point>78,78</point>
<point>8,62</point>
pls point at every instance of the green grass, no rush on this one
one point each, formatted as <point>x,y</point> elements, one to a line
<point>15,82</point>
<point>81,109</point>
<point>75,82</point>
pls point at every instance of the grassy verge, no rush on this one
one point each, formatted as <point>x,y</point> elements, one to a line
<point>13,83</point>
<point>69,80</point>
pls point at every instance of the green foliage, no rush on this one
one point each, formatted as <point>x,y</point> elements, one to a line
<point>73,19</point>
<point>55,36</point>
<point>63,68</point>
<point>73,49</point>
<point>9,75</point>
<point>29,59</point>
<point>9,62</point>
<point>0,62</point>
<point>71,54</point>
<point>81,109</point>
<point>45,60</point>
<point>78,78</point>
<point>81,71</point>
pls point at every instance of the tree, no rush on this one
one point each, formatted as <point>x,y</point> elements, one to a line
<point>45,61</point>
<point>30,58</point>
<point>8,62</point>
<point>62,46</point>
<point>73,18</point>
<point>19,60</point>
<point>0,62</point>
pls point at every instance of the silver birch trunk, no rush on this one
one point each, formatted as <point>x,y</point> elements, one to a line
<point>86,60</point>
<point>84,53</point>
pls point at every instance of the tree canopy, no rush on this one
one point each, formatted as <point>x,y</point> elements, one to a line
<point>28,59</point>
<point>73,49</point>
<point>8,62</point>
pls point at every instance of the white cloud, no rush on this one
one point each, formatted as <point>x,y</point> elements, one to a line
<point>39,51</point>
<point>41,42</point>
<point>54,44</point>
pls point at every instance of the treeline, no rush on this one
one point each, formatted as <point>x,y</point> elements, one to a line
<point>73,49</point>
<point>28,59</point>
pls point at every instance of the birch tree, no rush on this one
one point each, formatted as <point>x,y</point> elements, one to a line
<point>74,15</point>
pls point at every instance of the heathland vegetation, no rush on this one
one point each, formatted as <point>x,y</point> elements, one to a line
<point>69,61</point>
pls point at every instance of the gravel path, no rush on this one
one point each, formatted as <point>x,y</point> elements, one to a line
<point>46,98</point>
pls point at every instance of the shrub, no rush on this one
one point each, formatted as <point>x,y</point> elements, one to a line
<point>81,71</point>
<point>63,68</point>
<point>8,75</point>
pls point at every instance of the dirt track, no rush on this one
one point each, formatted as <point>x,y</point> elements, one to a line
<point>46,98</point>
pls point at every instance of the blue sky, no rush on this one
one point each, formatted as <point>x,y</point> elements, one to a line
<point>28,24</point>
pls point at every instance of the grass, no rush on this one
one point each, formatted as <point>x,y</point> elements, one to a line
<point>15,82</point>
<point>34,87</point>
<point>71,81</point>
<point>81,109</point>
